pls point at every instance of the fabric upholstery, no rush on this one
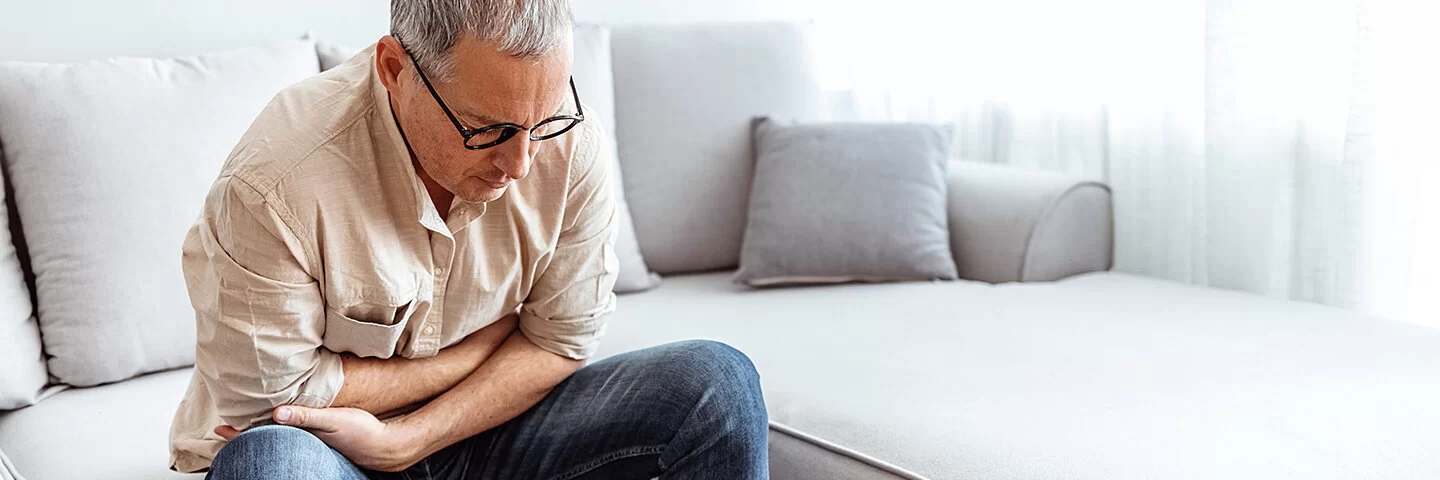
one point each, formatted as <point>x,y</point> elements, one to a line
<point>110,161</point>
<point>332,55</point>
<point>594,81</point>
<point>117,431</point>
<point>840,202</point>
<point>1016,225</point>
<point>22,366</point>
<point>684,96</point>
<point>796,456</point>
<point>1099,376</point>
<point>7,469</point>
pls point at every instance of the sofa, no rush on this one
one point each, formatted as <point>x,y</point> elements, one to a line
<point>1040,363</point>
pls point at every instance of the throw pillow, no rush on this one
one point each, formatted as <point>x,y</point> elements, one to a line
<point>110,162</point>
<point>332,55</point>
<point>847,202</point>
<point>22,366</point>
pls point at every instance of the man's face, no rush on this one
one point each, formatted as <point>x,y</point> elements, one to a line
<point>485,87</point>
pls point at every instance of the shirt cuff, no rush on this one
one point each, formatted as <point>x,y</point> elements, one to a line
<point>320,389</point>
<point>574,339</point>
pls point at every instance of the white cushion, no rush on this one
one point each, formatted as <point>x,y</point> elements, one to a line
<point>7,469</point>
<point>22,366</point>
<point>111,161</point>
<point>1101,376</point>
<point>332,55</point>
<point>119,431</point>
<point>684,97</point>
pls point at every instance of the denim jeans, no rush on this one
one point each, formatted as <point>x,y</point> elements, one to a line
<point>685,410</point>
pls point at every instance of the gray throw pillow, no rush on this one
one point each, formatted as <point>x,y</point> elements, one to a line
<point>847,202</point>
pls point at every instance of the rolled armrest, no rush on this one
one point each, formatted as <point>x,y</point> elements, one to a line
<point>1010,224</point>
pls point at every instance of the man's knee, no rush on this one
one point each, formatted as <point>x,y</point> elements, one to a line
<point>274,451</point>
<point>713,359</point>
<point>720,370</point>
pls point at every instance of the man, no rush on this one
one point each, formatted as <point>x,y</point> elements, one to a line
<point>424,235</point>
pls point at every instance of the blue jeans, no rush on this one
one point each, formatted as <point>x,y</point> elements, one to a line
<point>690,410</point>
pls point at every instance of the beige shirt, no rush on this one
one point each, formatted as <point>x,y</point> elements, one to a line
<point>318,238</point>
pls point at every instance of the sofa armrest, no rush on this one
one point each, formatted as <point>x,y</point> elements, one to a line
<point>1010,224</point>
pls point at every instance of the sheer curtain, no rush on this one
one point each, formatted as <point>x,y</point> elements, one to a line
<point>1271,146</point>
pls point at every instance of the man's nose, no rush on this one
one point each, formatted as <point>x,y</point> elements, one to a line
<point>513,157</point>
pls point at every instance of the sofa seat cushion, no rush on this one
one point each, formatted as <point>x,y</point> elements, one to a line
<point>1101,376</point>
<point>119,431</point>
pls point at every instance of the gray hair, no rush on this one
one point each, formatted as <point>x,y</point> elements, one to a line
<point>522,28</point>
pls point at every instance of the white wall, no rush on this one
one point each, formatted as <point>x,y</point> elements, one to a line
<point>65,30</point>
<point>672,11</point>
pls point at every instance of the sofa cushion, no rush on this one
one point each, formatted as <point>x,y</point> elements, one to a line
<point>119,431</point>
<point>332,55</point>
<point>1100,376</point>
<point>684,97</point>
<point>22,366</point>
<point>842,202</point>
<point>7,469</point>
<point>111,161</point>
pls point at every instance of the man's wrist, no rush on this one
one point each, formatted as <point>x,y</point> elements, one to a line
<point>409,438</point>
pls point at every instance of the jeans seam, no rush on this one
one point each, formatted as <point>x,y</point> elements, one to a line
<point>607,458</point>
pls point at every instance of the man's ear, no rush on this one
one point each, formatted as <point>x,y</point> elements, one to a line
<point>390,62</point>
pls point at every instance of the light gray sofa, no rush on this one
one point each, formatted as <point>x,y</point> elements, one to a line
<point>1040,364</point>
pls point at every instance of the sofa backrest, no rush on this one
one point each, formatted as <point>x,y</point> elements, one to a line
<point>685,96</point>
<point>684,99</point>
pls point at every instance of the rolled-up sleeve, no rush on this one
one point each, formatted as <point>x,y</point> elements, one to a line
<point>259,314</point>
<point>566,310</point>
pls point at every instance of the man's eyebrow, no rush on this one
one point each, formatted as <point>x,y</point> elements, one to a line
<point>481,121</point>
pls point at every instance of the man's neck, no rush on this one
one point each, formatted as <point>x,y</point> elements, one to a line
<point>438,194</point>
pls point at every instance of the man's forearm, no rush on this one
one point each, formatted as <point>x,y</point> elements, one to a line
<point>381,386</point>
<point>513,379</point>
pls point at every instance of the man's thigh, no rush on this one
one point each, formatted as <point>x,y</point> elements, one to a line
<point>612,419</point>
<point>283,453</point>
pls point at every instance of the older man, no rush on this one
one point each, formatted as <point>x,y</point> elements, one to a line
<point>424,235</point>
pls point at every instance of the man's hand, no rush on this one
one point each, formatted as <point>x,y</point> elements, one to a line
<point>353,432</point>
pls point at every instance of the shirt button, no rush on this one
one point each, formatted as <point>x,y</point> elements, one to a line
<point>429,330</point>
<point>437,271</point>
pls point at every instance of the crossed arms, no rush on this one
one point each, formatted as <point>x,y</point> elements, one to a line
<point>261,331</point>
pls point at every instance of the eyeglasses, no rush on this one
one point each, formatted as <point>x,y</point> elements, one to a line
<point>492,135</point>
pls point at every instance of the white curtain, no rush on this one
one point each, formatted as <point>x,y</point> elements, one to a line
<point>1273,146</point>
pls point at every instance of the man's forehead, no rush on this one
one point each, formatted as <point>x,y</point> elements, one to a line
<point>495,85</point>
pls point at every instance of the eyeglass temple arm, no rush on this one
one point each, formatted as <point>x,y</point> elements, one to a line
<point>431,88</point>
<point>579,111</point>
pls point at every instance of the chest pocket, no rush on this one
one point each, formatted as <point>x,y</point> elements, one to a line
<point>367,330</point>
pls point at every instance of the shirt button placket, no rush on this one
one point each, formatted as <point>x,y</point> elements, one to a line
<point>441,248</point>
